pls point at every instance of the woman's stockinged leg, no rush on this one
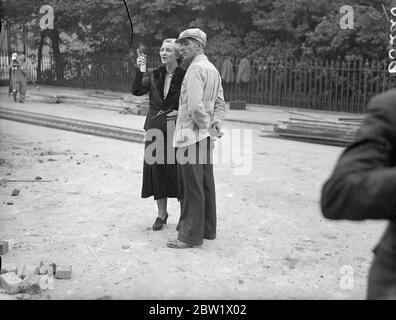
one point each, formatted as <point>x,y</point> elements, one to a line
<point>162,204</point>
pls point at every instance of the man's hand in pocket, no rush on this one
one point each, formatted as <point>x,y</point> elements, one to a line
<point>172,115</point>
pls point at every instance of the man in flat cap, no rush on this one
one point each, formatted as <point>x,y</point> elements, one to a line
<point>201,113</point>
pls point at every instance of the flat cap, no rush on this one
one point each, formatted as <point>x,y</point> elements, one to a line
<point>194,33</point>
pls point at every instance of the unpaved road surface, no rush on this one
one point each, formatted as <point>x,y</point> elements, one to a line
<point>273,242</point>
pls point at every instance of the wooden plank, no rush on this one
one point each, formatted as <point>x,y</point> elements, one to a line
<point>313,138</point>
<point>351,119</point>
<point>316,134</point>
<point>322,121</point>
<point>314,126</point>
<point>304,114</point>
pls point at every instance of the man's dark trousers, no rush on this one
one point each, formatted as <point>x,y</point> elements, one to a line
<point>197,193</point>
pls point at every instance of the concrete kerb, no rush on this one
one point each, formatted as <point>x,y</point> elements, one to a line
<point>255,114</point>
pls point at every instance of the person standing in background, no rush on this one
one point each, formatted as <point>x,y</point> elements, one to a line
<point>13,86</point>
<point>18,73</point>
<point>22,76</point>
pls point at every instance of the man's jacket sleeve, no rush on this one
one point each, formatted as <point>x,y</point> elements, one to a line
<point>363,184</point>
<point>195,90</point>
<point>141,84</point>
<point>219,107</point>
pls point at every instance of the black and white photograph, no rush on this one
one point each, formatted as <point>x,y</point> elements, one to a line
<point>197,150</point>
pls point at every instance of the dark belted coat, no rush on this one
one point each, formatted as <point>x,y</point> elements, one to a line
<point>159,180</point>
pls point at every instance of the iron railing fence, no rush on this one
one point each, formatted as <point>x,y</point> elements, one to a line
<point>314,84</point>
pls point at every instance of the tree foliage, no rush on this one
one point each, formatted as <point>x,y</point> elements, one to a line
<point>253,28</point>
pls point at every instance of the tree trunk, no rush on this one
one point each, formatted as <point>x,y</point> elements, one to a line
<point>40,54</point>
<point>54,35</point>
<point>56,53</point>
<point>8,29</point>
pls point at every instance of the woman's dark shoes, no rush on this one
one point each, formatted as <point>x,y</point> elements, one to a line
<point>159,223</point>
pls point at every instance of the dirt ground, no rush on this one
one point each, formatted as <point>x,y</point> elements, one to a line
<point>272,243</point>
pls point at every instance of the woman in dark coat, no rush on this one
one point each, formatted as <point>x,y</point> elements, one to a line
<point>163,85</point>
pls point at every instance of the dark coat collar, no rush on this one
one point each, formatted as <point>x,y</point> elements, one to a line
<point>159,80</point>
<point>161,72</point>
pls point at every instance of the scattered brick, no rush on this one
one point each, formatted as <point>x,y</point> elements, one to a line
<point>47,282</point>
<point>23,296</point>
<point>31,284</point>
<point>10,282</point>
<point>3,247</point>
<point>25,270</point>
<point>46,269</point>
<point>3,182</point>
<point>63,272</point>
<point>9,268</point>
<point>53,265</point>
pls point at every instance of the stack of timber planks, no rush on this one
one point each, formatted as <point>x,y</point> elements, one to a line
<point>98,100</point>
<point>329,132</point>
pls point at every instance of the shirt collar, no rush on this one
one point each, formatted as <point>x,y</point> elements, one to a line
<point>199,57</point>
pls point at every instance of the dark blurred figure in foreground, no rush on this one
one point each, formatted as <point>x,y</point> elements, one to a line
<point>363,186</point>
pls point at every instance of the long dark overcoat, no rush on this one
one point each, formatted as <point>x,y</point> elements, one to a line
<point>159,179</point>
